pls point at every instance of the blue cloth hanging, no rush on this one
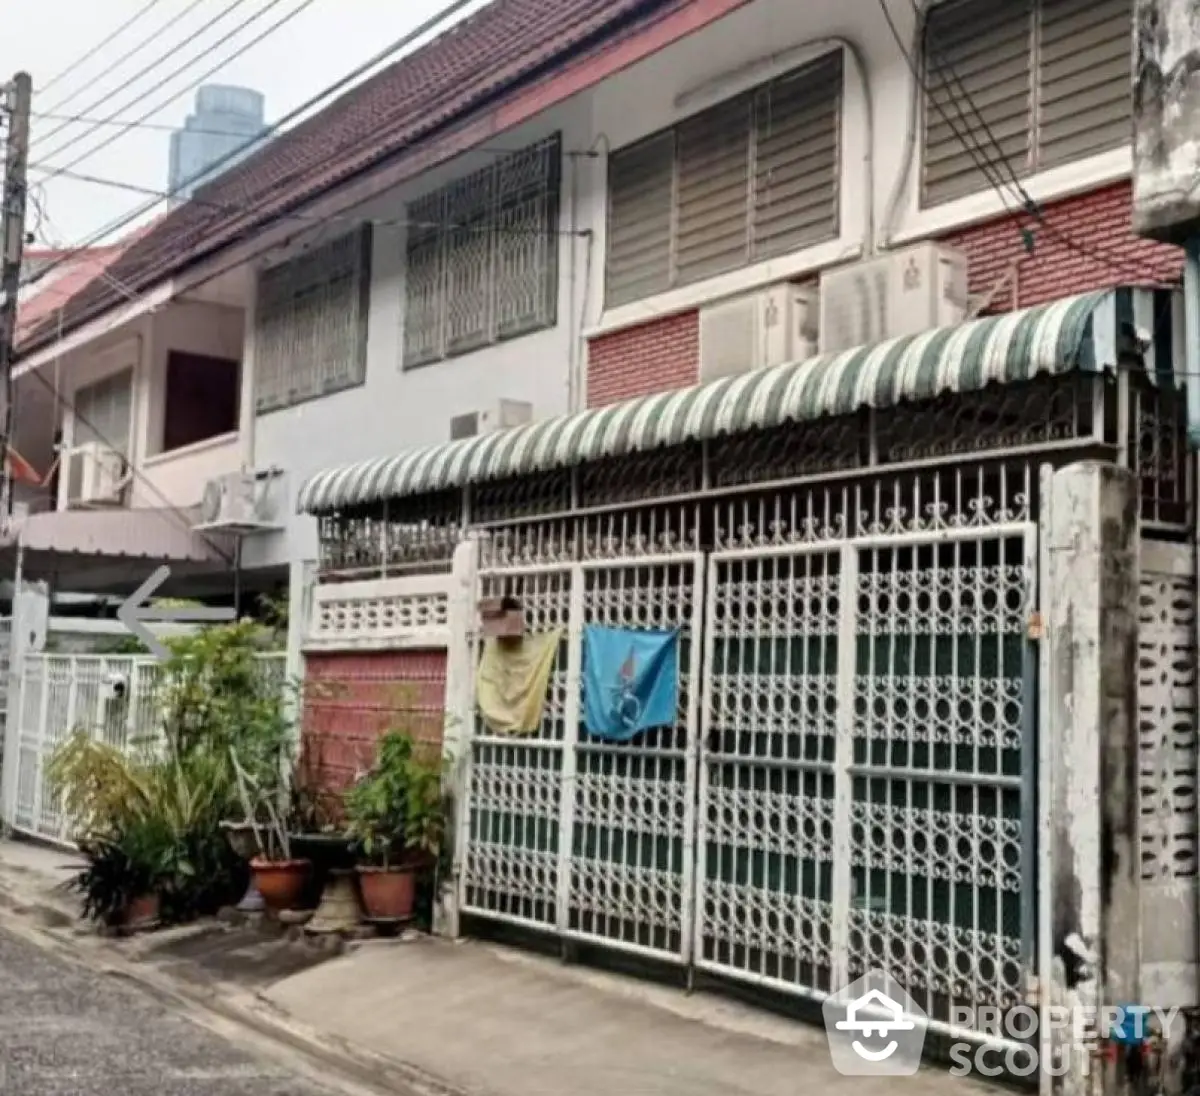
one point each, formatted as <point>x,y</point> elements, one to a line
<point>630,681</point>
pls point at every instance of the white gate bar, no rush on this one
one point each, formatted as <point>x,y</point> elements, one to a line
<point>700,658</point>
<point>701,798</point>
<point>570,739</point>
<point>847,655</point>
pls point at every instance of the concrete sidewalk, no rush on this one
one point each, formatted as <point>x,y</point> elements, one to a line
<point>497,1021</point>
<point>477,1019</point>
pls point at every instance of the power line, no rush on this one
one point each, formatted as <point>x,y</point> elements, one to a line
<point>183,68</point>
<point>1121,264</point>
<point>108,96</point>
<point>143,10</point>
<point>161,127</point>
<point>318,219</point>
<point>435,20</point>
<point>993,173</point>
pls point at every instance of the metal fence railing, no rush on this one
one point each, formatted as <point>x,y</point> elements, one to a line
<point>113,697</point>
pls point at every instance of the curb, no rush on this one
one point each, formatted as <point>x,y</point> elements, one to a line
<point>374,1072</point>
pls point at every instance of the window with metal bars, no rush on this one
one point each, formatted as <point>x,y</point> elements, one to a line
<point>749,179</point>
<point>482,256</point>
<point>1050,80</point>
<point>310,323</point>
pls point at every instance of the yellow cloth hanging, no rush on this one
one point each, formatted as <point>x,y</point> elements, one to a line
<point>512,681</point>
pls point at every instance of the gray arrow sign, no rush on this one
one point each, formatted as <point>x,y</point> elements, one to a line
<point>135,614</point>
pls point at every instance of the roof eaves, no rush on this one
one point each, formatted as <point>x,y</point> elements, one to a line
<point>322,180</point>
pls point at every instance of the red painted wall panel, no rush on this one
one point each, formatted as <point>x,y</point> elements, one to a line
<point>350,699</point>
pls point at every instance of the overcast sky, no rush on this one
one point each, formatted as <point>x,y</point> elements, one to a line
<point>327,39</point>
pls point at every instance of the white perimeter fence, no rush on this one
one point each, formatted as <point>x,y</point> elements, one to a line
<point>114,697</point>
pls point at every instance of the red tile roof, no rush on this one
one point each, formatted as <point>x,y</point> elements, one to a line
<point>505,45</point>
<point>39,310</point>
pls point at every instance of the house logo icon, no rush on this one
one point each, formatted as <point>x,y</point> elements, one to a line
<point>874,1028</point>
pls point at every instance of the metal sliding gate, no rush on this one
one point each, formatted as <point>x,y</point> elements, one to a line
<point>592,839</point>
<point>865,795</point>
<point>850,783</point>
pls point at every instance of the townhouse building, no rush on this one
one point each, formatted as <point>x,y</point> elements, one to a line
<point>652,164</point>
<point>783,327</point>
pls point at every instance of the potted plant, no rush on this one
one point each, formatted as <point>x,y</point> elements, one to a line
<point>395,818</point>
<point>126,871</point>
<point>278,876</point>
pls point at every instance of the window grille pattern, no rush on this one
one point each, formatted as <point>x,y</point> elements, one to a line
<point>311,323</point>
<point>749,179</point>
<point>482,256</point>
<point>1049,78</point>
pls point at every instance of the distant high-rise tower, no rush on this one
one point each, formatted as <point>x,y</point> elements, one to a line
<point>225,120</point>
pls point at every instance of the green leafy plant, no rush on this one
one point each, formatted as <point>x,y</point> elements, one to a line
<point>395,813</point>
<point>120,869</point>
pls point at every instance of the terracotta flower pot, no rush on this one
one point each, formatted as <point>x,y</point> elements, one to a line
<point>280,882</point>
<point>388,894</point>
<point>140,913</point>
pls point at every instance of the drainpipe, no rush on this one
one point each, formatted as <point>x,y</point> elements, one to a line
<point>246,416</point>
<point>899,189</point>
<point>574,326</point>
<point>860,67</point>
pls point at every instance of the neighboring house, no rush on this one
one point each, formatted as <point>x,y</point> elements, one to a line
<point>101,407</point>
<point>220,131</point>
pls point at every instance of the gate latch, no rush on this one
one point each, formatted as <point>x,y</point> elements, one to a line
<point>1036,627</point>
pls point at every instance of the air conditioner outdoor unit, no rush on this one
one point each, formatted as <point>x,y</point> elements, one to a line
<point>501,415</point>
<point>773,326</point>
<point>233,503</point>
<point>95,475</point>
<point>903,293</point>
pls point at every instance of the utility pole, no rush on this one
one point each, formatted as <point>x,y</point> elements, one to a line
<point>18,96</point>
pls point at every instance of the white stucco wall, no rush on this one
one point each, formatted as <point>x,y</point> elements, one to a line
<point>396,409</point>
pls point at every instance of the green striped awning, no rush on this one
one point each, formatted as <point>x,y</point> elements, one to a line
<point>1074,333</point>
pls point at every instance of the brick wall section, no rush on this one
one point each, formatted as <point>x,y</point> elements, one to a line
<point>651,357</point>
<point>664,354</point>
<point>1099,221</point>
<point>351,699</point>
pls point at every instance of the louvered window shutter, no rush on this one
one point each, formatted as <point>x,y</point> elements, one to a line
<point>982,46</point>
<point>1084,78</point>
<point>752,178</point>
<point>713,153</point>
<point>797,128</point>
<point>641,196</point>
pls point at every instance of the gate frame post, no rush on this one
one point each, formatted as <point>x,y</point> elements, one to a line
<point>1092,894</point>
<point>457,729</point>
<point>27,633</point>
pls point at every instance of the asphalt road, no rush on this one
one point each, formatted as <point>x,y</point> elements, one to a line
<point>67,1031</point>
